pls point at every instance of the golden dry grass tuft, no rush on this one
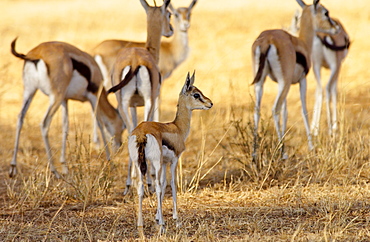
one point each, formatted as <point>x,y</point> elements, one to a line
<point>223,196</point>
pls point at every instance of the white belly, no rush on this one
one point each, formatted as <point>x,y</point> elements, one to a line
<point>77,88</point>
<point>168,155</point>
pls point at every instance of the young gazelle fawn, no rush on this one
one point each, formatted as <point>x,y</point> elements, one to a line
<point>63,72</point>
<point>286,59</point>
<point>161,144</point>
<point>328,51</point>
<point>135,73</point>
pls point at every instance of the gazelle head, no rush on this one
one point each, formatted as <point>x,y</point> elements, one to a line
<point>192,97</point>
<point>161,14</point>
<point>320,16</point>
<point>116,132</point>
<point>182,16</point>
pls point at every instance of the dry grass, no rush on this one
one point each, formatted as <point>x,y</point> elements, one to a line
<point>312,196</point>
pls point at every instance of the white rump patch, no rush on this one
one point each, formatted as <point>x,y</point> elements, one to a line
<point>36,77</point>
<point>143,82</point>
<point>125,71</point>
<point>153,151</point>
<point>128,90</point>
<point>275,65</point>
<point>256,60</point>
<point>132,148</point>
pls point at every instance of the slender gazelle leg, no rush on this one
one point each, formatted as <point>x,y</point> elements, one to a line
<point>280,102</point>
<point>174,188</point>
<point>65,136</point>
<point>318,100</point>
<point>331,100</point>
<point>258,90</point>
<point>27,99</point>
<point>303,93</point>
<point>45,125</point>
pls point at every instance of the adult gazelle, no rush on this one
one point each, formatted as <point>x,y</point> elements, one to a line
<point>63,72</point>
<point>286,59</point>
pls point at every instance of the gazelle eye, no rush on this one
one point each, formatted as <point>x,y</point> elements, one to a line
<point>196,96</point>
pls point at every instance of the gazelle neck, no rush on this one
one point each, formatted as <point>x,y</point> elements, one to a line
<point>179,45</point>
<point>183,118</point>
<point>307,30</point>
<point>153,39</point>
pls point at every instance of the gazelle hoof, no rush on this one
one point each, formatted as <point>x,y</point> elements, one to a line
<point>151,188</point>
<point>141,232</point>
<point>12,171</point>
<point>162,229</point>
<point>178,223</point>
<point>64,170</point>
<point>127,189</point>
<point>56,174</point>
<point>285,156</point>
<point>254,157</point>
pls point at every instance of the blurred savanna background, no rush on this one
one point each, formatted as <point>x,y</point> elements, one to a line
<point>320,195</point>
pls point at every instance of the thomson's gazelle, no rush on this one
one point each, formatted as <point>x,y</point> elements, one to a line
<point>135,75</point>
<point>286,59</point>
<point>171,54</point>
<point>328,51</point>
<point>63,72</point>
<point>162,144</point>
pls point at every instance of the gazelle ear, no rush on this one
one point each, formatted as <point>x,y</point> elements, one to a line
<point>188,83</point>
<point>144,4</point>
<point>192,79</point>
<point>171,8</point>
<point>165,4</point>
<point>316,3</point>
<point>192,4</point>
<point>301,3</point>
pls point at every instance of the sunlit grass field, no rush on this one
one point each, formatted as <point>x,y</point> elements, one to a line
<point>322,195</point>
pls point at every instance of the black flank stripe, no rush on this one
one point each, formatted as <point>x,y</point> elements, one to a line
<point>84,71</point>
<point>169,146</point>
<point>301,60</point>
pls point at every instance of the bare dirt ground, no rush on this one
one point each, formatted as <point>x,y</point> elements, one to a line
<point>321,195</point>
